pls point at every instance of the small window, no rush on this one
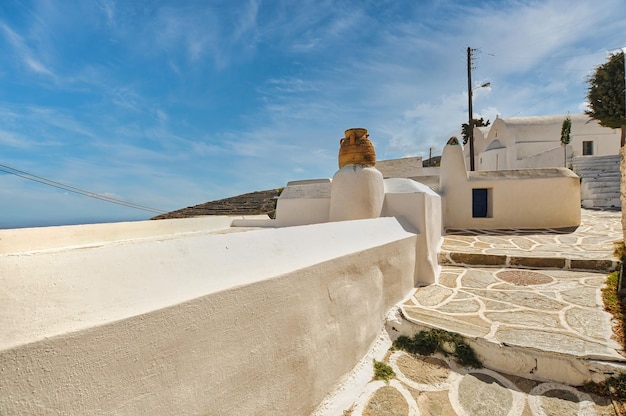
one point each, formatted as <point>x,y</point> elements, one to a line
<point>481,202</point>
<point>588,148</point>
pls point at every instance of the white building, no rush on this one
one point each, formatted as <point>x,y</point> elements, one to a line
<point>535,142</point>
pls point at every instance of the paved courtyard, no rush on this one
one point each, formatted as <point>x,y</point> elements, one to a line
<point>537,292</point>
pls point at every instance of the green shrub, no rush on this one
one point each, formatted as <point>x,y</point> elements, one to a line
<point>383,371</point>
<point>438,340</point>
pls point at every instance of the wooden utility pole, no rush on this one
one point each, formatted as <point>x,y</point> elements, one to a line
<point>470,122</point>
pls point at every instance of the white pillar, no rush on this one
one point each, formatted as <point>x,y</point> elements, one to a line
<point>357,192</point>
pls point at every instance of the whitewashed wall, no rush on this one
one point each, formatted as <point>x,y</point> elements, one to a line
<point>530,198</point>
<point>253,323</point>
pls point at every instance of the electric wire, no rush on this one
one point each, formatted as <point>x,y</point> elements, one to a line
<point>79,191</point>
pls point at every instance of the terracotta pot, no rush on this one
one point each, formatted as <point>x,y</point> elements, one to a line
<point>356,149</point>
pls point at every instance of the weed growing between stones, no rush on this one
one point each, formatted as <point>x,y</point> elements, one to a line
<point>620,250</point>
<point>615,304</point>
<point>383,371</point>
<point>617,385</point>
<point>438,340</point>
<point>613,388</point>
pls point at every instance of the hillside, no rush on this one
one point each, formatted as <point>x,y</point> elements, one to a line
<point>253,203</point>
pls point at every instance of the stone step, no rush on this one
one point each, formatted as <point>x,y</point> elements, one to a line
<point>601,203</point>
<point>611,181</point>
<point>612,167</point>
<point>596,172</point>
<point>599,166</point>
<point>601,192</point>
<point>538,355</point>
<point>597,163</point>
<point>448,258</point>
<point>603,195</point>
<point>609,167</point>
<point>601,185</point>
<point>540,324</point>
<point>592,159</point>
<point>600,180</point>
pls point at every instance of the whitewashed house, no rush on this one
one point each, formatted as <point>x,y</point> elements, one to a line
<point>534,142</point>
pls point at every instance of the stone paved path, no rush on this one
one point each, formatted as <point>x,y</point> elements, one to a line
<point>436,386</point>
<point>535,291</point>
<point>589,247</point>
<point>558,311</point>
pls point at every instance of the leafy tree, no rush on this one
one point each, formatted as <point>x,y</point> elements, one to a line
<point>566,128</point>
<point>477,123</point>
<point>606,94</point>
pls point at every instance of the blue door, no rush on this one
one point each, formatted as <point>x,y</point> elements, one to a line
<point>480,203</point>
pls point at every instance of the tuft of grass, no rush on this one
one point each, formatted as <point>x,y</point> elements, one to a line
<point>615,305</point>
<point>438,340</point>
<point>383,371</point>
<point>619,250</point>
<point>618,386</point>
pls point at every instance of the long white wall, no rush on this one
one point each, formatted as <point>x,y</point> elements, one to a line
<point>255,323</point>
<point>33,239</point>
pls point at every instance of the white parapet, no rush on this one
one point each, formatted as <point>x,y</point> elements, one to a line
<point>253,323</point>
<point>419,206</point>
<point>20,240</point>
<point>304,202</point>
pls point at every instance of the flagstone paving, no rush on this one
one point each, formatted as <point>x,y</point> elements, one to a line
<point>557,311</point>
<point>588,247</point>
<point>437,386</point>
<point>533,290</point>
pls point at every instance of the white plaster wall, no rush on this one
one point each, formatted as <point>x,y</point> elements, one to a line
<point>257,323</point>
<point>492,160</point>
<point>605,142</point>
<point>523,199</point>
<point>420,206</point>
<point>31,239</point>
<point>432,181</point>
<point>357,192</point>
<point>553,157</point>
<point>304,202</point>
<point>453,174</point>
<point>530,149</point>
<point>303,211</point>
<point>532,198</point>
<point>400,168</point>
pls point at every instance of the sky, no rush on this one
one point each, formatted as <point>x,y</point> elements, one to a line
<point>169,104</point>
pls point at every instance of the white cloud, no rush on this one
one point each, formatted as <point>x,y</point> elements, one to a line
<point>24,52</point>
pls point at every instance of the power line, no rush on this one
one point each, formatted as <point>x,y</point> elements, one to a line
<point>69,188</point>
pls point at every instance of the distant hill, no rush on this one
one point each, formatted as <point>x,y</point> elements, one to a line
<point>254,203</point>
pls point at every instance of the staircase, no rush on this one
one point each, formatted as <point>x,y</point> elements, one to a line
<point>600,180</point>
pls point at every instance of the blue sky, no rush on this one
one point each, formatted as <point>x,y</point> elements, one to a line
<point>174,103</point>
